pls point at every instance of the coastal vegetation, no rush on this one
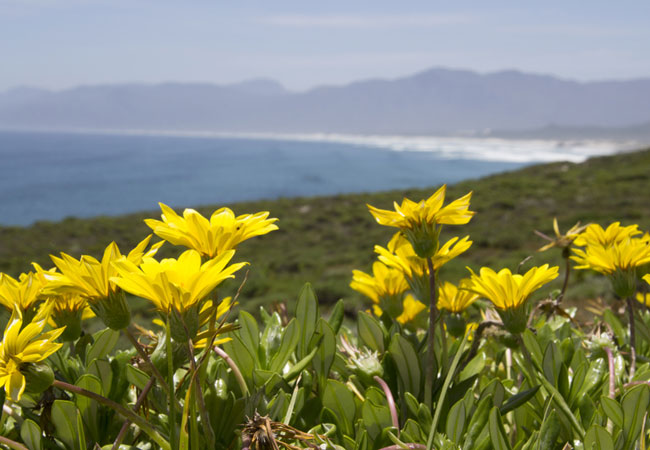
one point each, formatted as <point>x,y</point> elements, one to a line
<point>464,335</point>
<point>322,239</point>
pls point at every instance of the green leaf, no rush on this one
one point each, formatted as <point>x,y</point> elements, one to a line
<point>103,371</point>
<point>615,323</point>
<point>300,365</point>
<point>375,418</point>
<point>612,410</point>
<point>474,367</point>
<point>552,363</point>
<point>290,338</point>
<point>456,422</point>
<point>307,315</point>
<point>517,400</point>
<point>533,347</point>
<point>64,419</point>
<point>324,357</point>
<point>249,332</point>
<point>370,332</point>
<point>497,433</point>
<point>104,341</point>
<point>241,355</point>
<point>31,435</point>
<point>88,407</point>
<point>336,318</point>
<point>136,377</point>
<point>407,363</point>
<point>81,437</point>
<point>635,404</point>
<point>477,421</point>
<point>340,400</point>
<point>550,431</point>
<point>597,438</point>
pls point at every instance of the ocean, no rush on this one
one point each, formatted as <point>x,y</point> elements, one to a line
<point>50,176</point>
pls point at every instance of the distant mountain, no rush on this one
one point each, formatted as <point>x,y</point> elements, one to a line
<point>431,102</point>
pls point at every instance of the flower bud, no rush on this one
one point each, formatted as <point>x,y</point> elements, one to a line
<point>455,324</point>
<point>185,325</point>
<point>71,320</point>
<point>113,310</point>
<point>623,283</point>
<point>38,377</point>
<point>515,319</point>
<point>366,364</point>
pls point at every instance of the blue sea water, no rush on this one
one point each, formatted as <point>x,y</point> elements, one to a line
<point>50,176</point>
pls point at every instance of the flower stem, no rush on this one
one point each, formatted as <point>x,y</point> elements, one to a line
<point>12,444</point>
<point>235,370</point>
<point>612,383</point>
<point>567,273</point>
<point>433,313</point>
<point>630,312</point>
<point>146,358</point>
<point>127,422</point>
<point>390,400</point>
<point>127,414</point>
<point>170,387</point>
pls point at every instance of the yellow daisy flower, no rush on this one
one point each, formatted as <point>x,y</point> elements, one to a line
<point>412,310</point>
<point>212,237</point>
<point>456,299</point>
<point>384,283</point>
<point>24,292</point>
<point>508,292</point>
<point>399,254</point>
<point>642,298</point>
<point>614,233</point>
<point>23,346</point>
<point>421,222</point>
<point>561,240</point>
<point>624,255</point>
<point>430,211</point>
<point>174,283</point>
<point>89,277</point>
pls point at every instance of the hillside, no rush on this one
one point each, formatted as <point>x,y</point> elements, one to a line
<point>322,239</point>
<point>434,101</point>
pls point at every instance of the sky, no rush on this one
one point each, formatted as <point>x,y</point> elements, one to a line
<point>302,44</point>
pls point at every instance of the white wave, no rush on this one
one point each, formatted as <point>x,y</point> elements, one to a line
<point>470,148</point>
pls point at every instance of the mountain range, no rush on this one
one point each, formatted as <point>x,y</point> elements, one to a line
<point>436,101</point>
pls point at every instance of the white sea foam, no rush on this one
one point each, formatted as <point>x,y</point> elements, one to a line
<point>467,148</point>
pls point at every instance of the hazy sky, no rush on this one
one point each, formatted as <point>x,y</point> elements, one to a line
<point>58,44</point>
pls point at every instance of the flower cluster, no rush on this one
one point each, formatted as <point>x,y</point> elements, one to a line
<point>80,288</point>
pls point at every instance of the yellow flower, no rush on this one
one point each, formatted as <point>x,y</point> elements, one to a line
<point>174,283</point>
<point>89,277</point>
<point>644,299</point>
<point>623,255</point>
<point>561,240</point>
<point>507,291</point>
<point>411,311</point>
<point>385,283</point>
<point>614,233</point>
<point>23,292</point>
<point>421,222</point>
<point>430,211</point>
<point>456,299</point>
<point>400,255</point>
<point>212,237</point>
<point>647,278</point>
<point>19,348</point>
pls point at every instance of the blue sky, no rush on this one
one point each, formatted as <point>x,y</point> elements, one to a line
<point>59,44</point>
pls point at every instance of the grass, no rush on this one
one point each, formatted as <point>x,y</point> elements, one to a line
<point>322,239</point>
